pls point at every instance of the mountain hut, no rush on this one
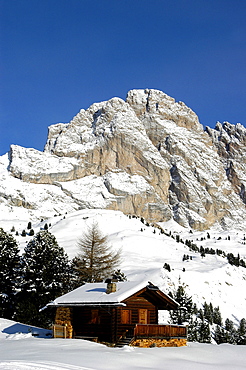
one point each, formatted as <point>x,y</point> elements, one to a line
<point>119,313</point>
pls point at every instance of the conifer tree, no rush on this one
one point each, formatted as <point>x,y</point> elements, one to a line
<point>45,275</point>
<point>208,312</point>
<point>193,334</point>
<point>195,309</point>
<point>184,313</point>
<point>217,319</point>
<point>78,272</point>
<point>31,232</point>
<point>96,261</point>
<point>204,332</point>
<point>200,314</point>
<point>9,271</point>
<point>241,332</point>
<point>230,332</point>
<point>219,335</point>
<point>118,275</point>
<point>229,325</point>
<point>23,233</point>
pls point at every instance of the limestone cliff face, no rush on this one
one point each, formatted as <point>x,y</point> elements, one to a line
<point>230,142</point>
<point>149,156</point>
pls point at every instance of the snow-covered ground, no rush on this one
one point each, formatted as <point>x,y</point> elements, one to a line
<point>25,352</point>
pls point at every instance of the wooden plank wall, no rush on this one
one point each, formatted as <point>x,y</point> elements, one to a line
<point>159,331</point>
<point>83,325</point>
<point>134,304</point>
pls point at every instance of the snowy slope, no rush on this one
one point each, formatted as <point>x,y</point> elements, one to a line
<point>144,253</point>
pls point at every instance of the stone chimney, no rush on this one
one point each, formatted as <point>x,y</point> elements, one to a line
<point>111,286</point>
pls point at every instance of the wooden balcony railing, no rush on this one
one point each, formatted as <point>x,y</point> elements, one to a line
<point>160,331</point>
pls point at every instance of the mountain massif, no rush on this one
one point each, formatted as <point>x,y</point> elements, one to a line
<point>147,156</point>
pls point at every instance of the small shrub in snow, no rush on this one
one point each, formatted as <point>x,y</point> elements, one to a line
<point>23,233</point>
<point>167,267</point>
<point>119,275</point>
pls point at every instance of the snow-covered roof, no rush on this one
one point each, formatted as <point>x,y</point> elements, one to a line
<point>95,294</point>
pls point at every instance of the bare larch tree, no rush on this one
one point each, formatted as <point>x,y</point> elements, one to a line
<point>96,260</point>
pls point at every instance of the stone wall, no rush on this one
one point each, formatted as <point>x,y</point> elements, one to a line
<point>64,317</point>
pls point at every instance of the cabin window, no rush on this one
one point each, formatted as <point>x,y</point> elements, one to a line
<point>143,316</point>
<point>95,318</point>
<point>125,316</point>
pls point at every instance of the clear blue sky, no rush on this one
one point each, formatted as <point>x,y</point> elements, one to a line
<point>58,56</point>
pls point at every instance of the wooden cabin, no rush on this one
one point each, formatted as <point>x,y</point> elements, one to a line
<point>117,312</point>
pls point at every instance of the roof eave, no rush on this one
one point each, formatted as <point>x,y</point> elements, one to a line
<point>87,304</point>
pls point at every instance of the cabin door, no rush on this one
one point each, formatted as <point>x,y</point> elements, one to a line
<point>143,316</point>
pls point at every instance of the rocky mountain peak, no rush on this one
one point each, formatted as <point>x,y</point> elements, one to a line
<point>150,102</point>
<point>147,156</point>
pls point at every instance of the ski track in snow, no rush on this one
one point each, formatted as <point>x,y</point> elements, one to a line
<point>24,365</point>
